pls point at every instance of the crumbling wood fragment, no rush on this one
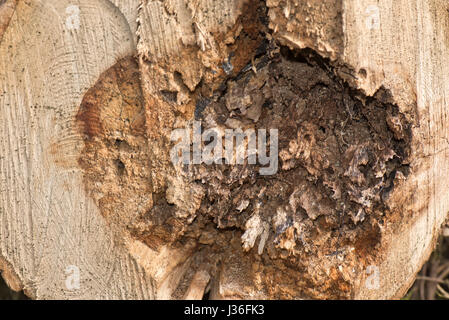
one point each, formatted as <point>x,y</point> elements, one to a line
<point>379,51</point>
<point>92,205</point>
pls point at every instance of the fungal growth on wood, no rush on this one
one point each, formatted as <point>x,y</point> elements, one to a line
<point>318,219</point>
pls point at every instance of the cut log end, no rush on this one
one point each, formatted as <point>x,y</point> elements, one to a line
<point>7,8</point>
<point>249,152</point>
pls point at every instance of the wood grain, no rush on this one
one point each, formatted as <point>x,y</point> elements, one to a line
<point>48,222</point>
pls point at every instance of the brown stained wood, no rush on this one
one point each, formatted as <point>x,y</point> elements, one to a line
<point>115,156</point>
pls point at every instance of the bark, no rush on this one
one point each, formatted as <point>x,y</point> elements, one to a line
<point>91,94</point>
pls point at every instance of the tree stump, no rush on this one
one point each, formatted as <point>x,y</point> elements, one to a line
<point>348,100</point>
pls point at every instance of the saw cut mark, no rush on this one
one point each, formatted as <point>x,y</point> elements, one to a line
<point>7,8</point>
